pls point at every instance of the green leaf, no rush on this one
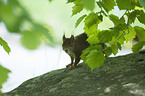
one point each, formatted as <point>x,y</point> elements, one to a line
<point>124,4</point>
<point>114,19</point>
<point>91,19</point>
<point>121,26</point>
<point>30,39</point>
<point>77,9</point>
<point>0,91</point>
<point>44,32</point>
<point>138,46</point>
<point>17,95</point>
<point>70,1</point>
<point>95,59</point>
<point>108,51</point>
<point>141,16</point>
<point>100,17</point>
<point>93,39</point>
<point>119,45</point>
<point>132,17</point>
<point>140,32</point>
<point>5,45</point>
<point>3,74</point>
<point>91,30</point>
<point>99,3</point>
<point>86,52</point>
<point>120,38</point>
<point>50,0</point>
<point>11,20</point>
<point>105,36</point>
<point>142,3</point>
<point>136,1</point>
<point>115,31</point>
<point>108,5</point>
<point>130,34</point>
<point>114,49</point>
<point>122,20</point>
<point>80,20</point>
<point>80,4</point>
<point>89,4</point>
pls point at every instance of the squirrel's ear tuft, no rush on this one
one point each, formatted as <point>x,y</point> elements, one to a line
<point>72,37</point>
<point>64,37</point>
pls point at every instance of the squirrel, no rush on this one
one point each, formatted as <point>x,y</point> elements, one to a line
<point>74,46</point>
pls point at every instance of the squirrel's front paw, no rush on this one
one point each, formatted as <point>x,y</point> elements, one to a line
<point>69,65</point>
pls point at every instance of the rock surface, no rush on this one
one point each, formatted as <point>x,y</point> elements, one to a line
<point>119,76</point>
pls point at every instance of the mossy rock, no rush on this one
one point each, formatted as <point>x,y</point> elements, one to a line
<point>118,76</point>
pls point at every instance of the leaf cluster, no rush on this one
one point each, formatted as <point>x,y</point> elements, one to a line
<point>4,75</point>
<point>114,37</point>
<point>17,20</point>
<point>3,71</point>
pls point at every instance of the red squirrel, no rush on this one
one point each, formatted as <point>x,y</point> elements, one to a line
<point>74,46</point>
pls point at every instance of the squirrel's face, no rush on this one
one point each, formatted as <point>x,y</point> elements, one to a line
<point>67,43</point>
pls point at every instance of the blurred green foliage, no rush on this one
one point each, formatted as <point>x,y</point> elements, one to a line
<point>10,16</point>
<point>116,35</point>
<point>16,18</point>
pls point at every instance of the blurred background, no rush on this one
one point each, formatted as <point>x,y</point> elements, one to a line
<point>33,29</point>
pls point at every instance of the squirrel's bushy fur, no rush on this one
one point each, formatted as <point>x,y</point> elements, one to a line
<point>74,46</point>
